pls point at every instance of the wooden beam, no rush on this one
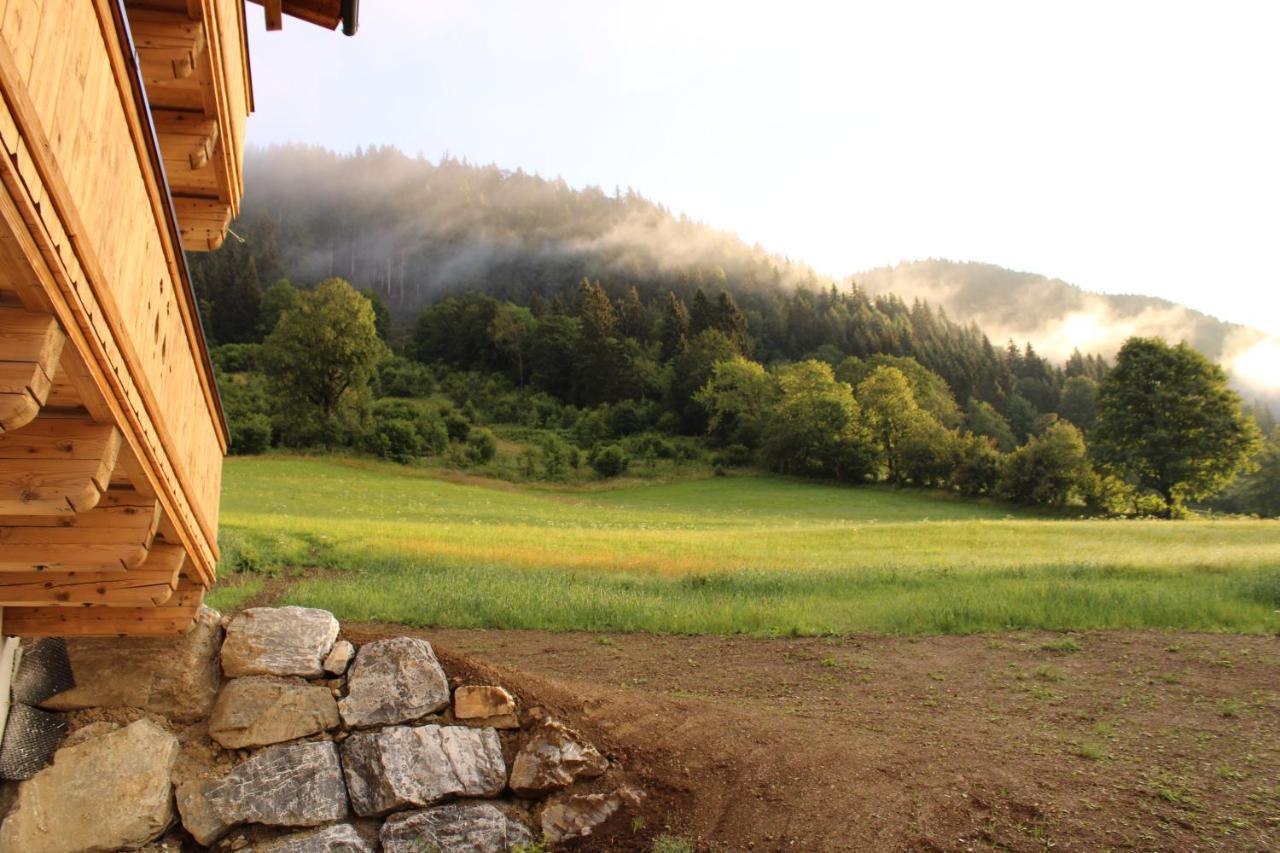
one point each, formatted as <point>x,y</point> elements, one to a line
<point>274,14</point>
<point>56,466</point>
<point>322,13</point>
<point>169,45</point>
<point>203,222</point>
<point>30,346</point>
<point>151,584</point>
<point>189,146</point>
<point>114,536</point>
<point>171,618</point>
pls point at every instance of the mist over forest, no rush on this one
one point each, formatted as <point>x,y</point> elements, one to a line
<point>414,232</point>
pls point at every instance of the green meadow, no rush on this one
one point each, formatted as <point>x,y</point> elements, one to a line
<point>741,554</point>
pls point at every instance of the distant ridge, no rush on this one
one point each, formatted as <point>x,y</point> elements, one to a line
<point>1057,316</point>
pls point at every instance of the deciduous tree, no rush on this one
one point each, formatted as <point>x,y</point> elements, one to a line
<point>1167,422</point>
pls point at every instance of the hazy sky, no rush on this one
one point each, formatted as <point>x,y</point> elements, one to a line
<point>1121,146</point>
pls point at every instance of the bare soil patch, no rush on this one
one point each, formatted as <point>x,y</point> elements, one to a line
<point>1024,742</point>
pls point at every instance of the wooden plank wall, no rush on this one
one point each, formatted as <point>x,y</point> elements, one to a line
<point>78,174</point>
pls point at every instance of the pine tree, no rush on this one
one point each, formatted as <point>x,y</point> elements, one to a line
<point>599,322</point>
<point>728,318</point>
<point>675,327</point>
<point>701,317</point>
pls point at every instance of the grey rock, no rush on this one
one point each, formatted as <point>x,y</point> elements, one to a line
<point>403,766</point>
<point>262,710</point>
<point>578,815</point>
<point>339,657</point>
<point>393,681</point>
<point>199,817</point>
<point>176,677</point>
<point>106,793</point>
<point>298,784</point>
<point>278,641</point>
<point>341,837</point>
<point>552,758</point>
<point>453,828</point>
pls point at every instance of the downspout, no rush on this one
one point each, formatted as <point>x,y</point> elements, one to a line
<point>171,216</point>
<point>350,17</point>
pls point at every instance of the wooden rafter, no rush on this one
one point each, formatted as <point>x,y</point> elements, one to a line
<point>203,223</point>
<point>151,584</point>
<point>55,466</point>
<point>114,536</point>
<point>173,617</point>
<point>274,13</point>
<point>30,345</point>
<point>169,45</point>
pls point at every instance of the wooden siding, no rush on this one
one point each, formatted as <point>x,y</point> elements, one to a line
<point>84,237</point>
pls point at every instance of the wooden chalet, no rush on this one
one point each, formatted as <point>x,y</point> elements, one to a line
<point>122,130</point>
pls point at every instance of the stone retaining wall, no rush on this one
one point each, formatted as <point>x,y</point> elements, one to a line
<point>267,732</point>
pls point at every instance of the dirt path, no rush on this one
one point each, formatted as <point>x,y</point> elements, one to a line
<point>1123,740</point>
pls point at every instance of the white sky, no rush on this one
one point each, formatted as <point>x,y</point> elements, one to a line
<point>1121,146</point>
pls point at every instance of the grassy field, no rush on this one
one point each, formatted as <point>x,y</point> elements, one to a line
<point>751,554</point>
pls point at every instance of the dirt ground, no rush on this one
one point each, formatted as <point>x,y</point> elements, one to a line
<point>1026,742</point>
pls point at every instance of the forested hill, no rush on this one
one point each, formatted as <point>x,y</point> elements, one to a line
<point>415,233</point>
<point>1061,317</point>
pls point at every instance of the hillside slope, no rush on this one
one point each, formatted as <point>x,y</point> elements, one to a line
<point>1061,317</point>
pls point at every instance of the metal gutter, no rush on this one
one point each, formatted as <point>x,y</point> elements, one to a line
<point>171,216</point>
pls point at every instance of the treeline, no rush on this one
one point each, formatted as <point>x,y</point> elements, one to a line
<point>604,384</point>
<point>415,233</point>
<point>603,320</point>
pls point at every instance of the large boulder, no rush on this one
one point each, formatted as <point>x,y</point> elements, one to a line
<point>298,784</point>
<point>453,828</point>
<point>552,758</point>
<point>578,815</point>
<point>485,705</point>
<point>278,641</point>
<point>262,710</point>
<point>338,838</point>
<point>176,677</point>
<point>393,681</point>
<point>108,792</point>
<point>402,766</point>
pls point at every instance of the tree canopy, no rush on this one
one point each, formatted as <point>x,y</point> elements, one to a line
<point>1167,422</point>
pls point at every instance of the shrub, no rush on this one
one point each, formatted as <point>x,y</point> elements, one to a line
<point>250,434</point>
<point>592,428</point>
<point>397,439</point>
<point>610,461</point>
<point>556,455</point>
<point>481,446</point>
<point>400,377</point>
<point>733,456</point>
<point>457,426</point>
<point>235,358</point>
<point>627,418</point>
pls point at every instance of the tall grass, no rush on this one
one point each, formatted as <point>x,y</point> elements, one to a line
<point>758,555</point>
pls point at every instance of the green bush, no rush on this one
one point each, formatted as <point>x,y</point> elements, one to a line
<point>481,446</point>
<point>557,455</point>
<point>610,461</point>
<point>235,358</point>
<point>250,434</point>
<point>432,437</point>
<point>400,377</point>
<point>457,426</point>
<point>733,456</point>
<point>397,439</point>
